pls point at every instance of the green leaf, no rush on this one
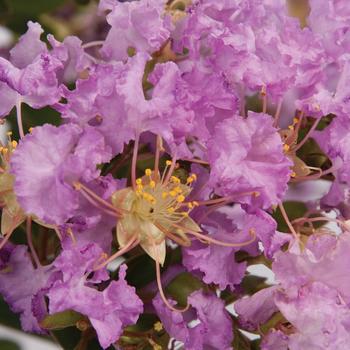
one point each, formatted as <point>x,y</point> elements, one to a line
<point>61,320</point>
<point>6,344</point>
<point>7,317</point>
<point>293,209</point>
<point>182,286</point>
<point>252,284</point>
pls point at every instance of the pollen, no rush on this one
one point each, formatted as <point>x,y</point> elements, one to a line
<point>175,179</point>
<point>158,326</point>
<point>14,144</point>
<point>138,181</point>
<point>148,172</point>
<point>180,198</point>
<point>286,148</point>
<point>168,162</point>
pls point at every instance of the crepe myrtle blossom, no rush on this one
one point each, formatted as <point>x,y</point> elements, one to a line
<point>213,329</point>
<point>33,73</point>
<point>108,310</point>
<point>156,208</point>
<point>172,146</point>
<point>311,296</point>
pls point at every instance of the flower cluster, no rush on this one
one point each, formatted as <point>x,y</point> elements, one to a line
<point>184,133</point>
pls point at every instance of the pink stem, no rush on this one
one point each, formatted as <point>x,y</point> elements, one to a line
<point>82,188</point>
<point>156,161</point>
<point>134,161</point>
<point>161,291</point>
<point>171,170</point>
<point>19,117</point>
<point>289,224</point>
<point>30,241</point>
<point>278,113</point>
<point>215,241</point>
<point>193,160</point>
<point>92,44</point>
<point>307,136</point>
<point>130,245</point>
<point>5,239</point>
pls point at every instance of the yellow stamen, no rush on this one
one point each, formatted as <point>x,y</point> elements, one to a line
<point>148,172</point>
<point>172,193</point>
<point>286,147</point>
<point>158,326</point>
<point>14,144</point>
<point>178,189</point>
<point>138,181</point>
<point>168,162</point>
<point>175,179</point>
<point>152,184</point>
<point>180,198</point>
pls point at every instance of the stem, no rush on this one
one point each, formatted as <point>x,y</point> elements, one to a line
<point>193,160</point>
<point>314,176</point>
<point>171,170</point>
<point>215,241</point>
<point>5,239</point>
<point>156,161</point>
<point>289,224</point>
<point>264,99</point>
<point>130,245</point>
<point>30,242</point>
<point>83,189</point>
<point>160,288</point>
<point>278,113</point>
<point>19,117</point>
<point>92,44</point>
<point>320,218</point>
<point>307,136</point>
<point>179,240</point>
<point>134,161</point>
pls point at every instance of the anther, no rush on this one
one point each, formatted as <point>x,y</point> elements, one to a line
<point>180,198</point>
<point>148,172</point>
<point>152,184</point>
<point>158,326</point>
<point>175,179</point>
<point>168,162</point>
<point>77,186</point>
<point>286,147</point>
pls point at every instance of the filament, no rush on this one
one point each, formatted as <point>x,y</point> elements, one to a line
<point>209,239</point>
<point>30,241</point>
<point>133,242</point>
